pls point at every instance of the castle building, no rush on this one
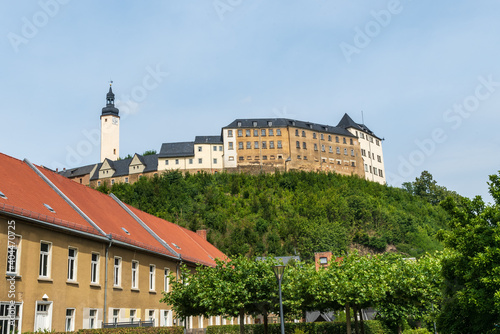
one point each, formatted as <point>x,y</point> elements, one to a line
<point>287,144</point>
<point>371,149</point>
<point>245,145</point>
<point>110,129</point>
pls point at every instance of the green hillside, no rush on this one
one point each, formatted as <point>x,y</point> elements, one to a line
<point>294,213</point>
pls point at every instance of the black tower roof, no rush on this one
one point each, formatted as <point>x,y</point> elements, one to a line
<point>110,109</point>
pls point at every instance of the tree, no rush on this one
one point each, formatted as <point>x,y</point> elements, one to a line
<point>428,189</point>
<point>472,272</point>
<point>235,288</point>
<point>413,289</point>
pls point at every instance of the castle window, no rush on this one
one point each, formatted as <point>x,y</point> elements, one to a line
<point>255,144</point>
<point>263,132</point>
<point>200,148</point>
<point>229,133</point>
<point>240,133</point>
<point>190,161</point>
<point>338,150</point>
<point>215,161</point>
<point>315,147</point>
<point>249,145</point>
<point>230,146</point>
<point>297,144</point>
<point>255,133</point>
<point>377,142</point>
<point>278,132</point>
<point>215,147</point>
<point>323,148</point>
<point>304,146</point>
<point>247,133</point>
<point>279,144</point>
<point>296,132</point>
<point>264,145</point>
<point>254,123</point>
<point>166,162</point>
<point>336,139</point>
<point>271,144</point>
<point>303,133</point>
<point>269,123</point>
<point>352,152</point>
<point>322,136</point>
<point>344,141</point>
<point>329,138</point>
<point>239,124</point>
<point>345,151</point>
<point>176,161</point>
<point>314,135</point>
<point>271,132</point>
<point>200,161</point>
<point>240,145</point>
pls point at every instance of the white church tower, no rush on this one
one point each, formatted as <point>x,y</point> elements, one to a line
<point>110,129</point>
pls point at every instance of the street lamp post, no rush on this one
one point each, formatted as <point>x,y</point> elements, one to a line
<point>279,271</point>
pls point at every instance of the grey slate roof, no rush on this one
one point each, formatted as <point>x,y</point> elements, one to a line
<point>79,171</point>
<point>285,122</point>
<point>347,122</point>
<point>95,176</point>
<point>208,140</point>
<point>182,149</point>
<point>151,162</point>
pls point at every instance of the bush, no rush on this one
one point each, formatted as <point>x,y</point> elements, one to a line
<point>371,327</point>
<point>128,330</point>
<point>417,331</point>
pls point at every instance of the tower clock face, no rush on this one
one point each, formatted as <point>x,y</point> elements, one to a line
<point>114,120</point>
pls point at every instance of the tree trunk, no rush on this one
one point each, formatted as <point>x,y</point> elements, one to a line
<point>265,322</point>
<point>242,321</point>
<point>356,322</point>
<point>348,318</point>
<point>362,321</point>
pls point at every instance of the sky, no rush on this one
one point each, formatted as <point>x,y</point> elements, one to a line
<point>423,75</point>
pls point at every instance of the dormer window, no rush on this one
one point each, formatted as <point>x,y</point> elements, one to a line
<point>49,208</point>
<point>239,124</point>
<point>2,195</point>
<point>269,123</point>
<point>254,123</point>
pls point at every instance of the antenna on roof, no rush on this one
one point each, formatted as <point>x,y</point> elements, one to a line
<point>362,117</point>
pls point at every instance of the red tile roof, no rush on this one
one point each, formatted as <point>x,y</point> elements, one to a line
<point>191,246</point>
<point>26,192</point>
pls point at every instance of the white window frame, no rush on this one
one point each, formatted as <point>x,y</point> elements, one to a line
<point>94,268</point>
<point>72,264</point>
<point>115,315</point>
<point>117,271</point>
<point>166,280</point>
<point>93,318</point>
<point>14,255</point>
<point>71,319</point>
<point>11,323</point>
<point>135,275</point>
<point>134,316</point>
<point>45,260</point>
<point>152,277</point>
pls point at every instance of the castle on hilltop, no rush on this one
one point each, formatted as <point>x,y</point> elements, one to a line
<point>244,145</point>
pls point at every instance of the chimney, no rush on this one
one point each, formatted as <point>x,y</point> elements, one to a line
<point>57,169</point>
<point>202,233</point>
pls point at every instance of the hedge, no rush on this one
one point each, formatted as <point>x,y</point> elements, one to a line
<point>371,327</point>
<point>127,330</point>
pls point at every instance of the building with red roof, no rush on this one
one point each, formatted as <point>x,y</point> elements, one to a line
<point>77,258</point>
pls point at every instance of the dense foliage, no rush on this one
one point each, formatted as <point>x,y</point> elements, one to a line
<point>289,213</point>
<point>372,327</point>
<point>472,272</point>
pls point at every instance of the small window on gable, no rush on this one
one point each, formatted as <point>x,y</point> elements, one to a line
<point>2,195</point>
<point>49,208</point>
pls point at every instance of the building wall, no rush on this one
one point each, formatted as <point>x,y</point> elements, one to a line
<point>80,294</point>
<point>267,149</point>
<point>230,148</point>
<point>372,154</point>
<point>110,137</point>
<point>211,156</point>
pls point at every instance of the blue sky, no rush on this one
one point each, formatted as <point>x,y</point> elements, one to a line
<point>425,74</point>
